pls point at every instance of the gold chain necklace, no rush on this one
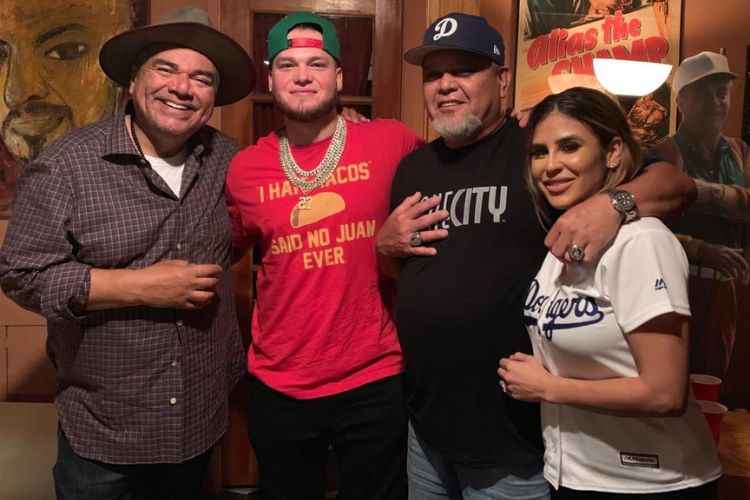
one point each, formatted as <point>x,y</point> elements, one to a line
<point>307,180</point>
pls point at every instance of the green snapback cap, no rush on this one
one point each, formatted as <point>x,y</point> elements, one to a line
<point>277,37</point>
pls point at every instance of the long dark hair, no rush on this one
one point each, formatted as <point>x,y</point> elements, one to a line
<point>606,120</point>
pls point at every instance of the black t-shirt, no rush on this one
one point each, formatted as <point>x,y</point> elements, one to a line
<point>460,311</point>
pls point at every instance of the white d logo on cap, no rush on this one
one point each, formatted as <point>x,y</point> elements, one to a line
<point>445,27</point>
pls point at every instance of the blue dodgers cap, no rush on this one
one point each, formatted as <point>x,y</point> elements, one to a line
<point>460,32</point>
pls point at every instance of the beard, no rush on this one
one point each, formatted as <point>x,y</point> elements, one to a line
<point>458,132</point>
<point>26,132</point>
<point>307,114</point>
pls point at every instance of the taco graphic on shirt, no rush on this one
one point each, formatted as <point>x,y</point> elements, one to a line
<point>311,209</point>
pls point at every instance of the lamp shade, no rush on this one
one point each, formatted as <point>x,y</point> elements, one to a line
<point>625,77</point>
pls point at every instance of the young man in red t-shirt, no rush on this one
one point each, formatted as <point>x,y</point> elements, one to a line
<point>325,361</point>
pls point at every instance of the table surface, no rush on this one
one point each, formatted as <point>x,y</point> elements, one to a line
<point>28,448</point>
<point>734,444</point>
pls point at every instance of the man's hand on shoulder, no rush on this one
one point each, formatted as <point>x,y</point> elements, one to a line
<point>591,225</point>
<point>521,115</point>
<point>353,116</point>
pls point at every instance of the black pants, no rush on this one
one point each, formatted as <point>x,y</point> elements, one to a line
<point>703,492</point>
<point>78,478</point>
<point>367,428</point>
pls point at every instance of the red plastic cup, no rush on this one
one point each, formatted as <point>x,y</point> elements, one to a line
<point>713,412</point>
<point>705,387</point>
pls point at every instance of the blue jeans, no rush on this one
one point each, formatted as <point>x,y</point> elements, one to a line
<point>78,478</point>
<point>433,477</point>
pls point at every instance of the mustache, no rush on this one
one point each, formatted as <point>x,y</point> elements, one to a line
<point>28,127</point>
<point>36,110</point>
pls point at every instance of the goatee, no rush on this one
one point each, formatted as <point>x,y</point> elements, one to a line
<point>306,114</point>
<point>465,129</point>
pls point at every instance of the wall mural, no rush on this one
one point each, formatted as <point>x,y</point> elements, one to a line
<point>50,76</point>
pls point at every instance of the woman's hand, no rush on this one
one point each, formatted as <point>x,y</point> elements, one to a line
<point>524,378</point>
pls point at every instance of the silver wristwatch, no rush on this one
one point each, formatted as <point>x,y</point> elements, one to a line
<point>624,202</point>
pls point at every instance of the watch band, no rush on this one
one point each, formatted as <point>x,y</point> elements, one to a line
<point>624,202</point>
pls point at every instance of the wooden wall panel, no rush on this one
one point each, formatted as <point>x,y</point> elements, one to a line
<point>412,110</point>
<point>10,313</point>
<point>21,354</point>
<point>386,56</point>
<point>236,119</point>
<point>326,6</point>
<point>3,364</point>
<point>31,376</point>
<point>502,15</point>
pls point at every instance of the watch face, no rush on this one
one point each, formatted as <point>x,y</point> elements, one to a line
<point>624,200</point>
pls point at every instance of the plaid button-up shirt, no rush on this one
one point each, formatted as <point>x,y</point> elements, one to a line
<point>138,384</point>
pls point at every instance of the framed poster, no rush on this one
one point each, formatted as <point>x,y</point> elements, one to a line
<point>50,76</point>
<point>559,39</point>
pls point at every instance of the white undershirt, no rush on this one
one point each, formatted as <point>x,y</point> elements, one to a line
<point>170,169</point>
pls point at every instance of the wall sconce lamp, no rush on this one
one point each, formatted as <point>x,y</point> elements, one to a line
<point>633,78</point>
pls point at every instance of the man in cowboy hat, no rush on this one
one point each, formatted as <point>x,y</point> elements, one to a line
<point>120,239</point>
<point>465,243</point>
<point>325,362</point>
<point>713,230</point>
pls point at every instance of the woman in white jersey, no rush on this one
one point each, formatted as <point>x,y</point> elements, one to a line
<point>610,337</point>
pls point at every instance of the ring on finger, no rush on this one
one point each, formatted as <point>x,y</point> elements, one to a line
<point>415,239</point>
<point>576,252</point>
<point>502,386</point>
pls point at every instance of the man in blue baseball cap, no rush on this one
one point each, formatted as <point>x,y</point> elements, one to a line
<point>466,41</point>
<point>464,243</point>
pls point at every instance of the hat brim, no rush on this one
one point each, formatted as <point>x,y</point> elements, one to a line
<point>728,74</point>
<point>236,71</point>
<point>417,54</point>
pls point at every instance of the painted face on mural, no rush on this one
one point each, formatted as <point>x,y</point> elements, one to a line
<point>49,72</point>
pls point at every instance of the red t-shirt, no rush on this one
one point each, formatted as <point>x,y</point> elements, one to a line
<point>321,324</point>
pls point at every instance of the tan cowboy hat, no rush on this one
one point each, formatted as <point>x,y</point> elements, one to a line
<point>188,27</point>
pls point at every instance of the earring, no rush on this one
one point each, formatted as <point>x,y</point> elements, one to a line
<point>612,166</point>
